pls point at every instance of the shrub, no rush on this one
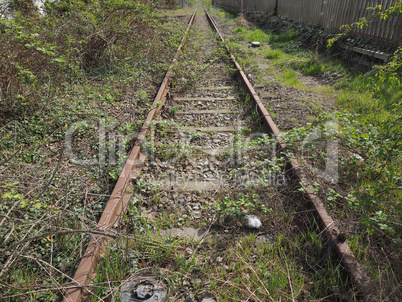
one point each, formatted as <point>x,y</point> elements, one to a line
<point>38,53</point>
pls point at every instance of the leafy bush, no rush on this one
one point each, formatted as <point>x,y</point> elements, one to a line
<point>58,78</point>
<point>370,168</point>
<point>36,56</point>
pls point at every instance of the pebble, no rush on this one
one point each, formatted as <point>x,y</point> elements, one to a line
<point>265,238</point>
<point>253,222</point>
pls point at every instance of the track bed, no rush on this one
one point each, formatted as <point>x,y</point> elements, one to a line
<point>213,213</point>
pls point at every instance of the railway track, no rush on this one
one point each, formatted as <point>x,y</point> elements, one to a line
<point>208,175</point>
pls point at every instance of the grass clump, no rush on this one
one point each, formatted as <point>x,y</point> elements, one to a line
<point>225,15</point>
<point>252,35</point>
<point>366,96</point>
<point>273,54</point>
<point>240,29</point>
<point>257,35</point>
<point>284,37</point>
<point>218,265</point>
<point>289,78</point>
<point>313,68</point>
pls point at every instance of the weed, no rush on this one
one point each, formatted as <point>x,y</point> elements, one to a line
<point>257,35</point>
<point>246,204</point>
<point>239,29</point>
<point>367,194</point>
<point>289,77</point>
<point>284,37</point>
<point>273,54</point>
<point>224,14</point>
<point>313,68</point>
<point>378,168</point>
<point>174,109</point>
<point>98,93</point>
<point>252,35</point>
<point>374,105</point>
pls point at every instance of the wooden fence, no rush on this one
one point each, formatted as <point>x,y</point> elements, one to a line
<point>258,5</point>
<point>330,14</point>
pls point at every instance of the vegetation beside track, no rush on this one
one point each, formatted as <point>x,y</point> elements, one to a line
<point>366,198</point>
<point>76,83</point>
<point>95,76</point>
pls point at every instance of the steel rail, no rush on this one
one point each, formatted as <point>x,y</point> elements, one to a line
<point>327,224</point>
<point>122,192</point>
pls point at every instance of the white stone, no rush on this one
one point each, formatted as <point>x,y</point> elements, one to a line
<point>253,222</point>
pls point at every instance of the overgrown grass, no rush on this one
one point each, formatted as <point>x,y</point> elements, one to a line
<point>225,15</point>
<point>313,68</point>
<point>283,37</point>
<point>357,93</point>
<point>256,34</point>
<point>273,54</point>
<point>364,95</point>
<point>64,88</point>
<point>225,265</point>
<point>289,77</point>
<point>252,34</point>
<point>369,138</point>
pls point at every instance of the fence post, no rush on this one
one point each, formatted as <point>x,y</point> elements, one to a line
<point>398,28</point>
<point>354,14</point>
<point>323,14</point>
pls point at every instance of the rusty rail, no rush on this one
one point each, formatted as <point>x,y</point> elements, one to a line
<point>121,195</point>
<point>329,228</point>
